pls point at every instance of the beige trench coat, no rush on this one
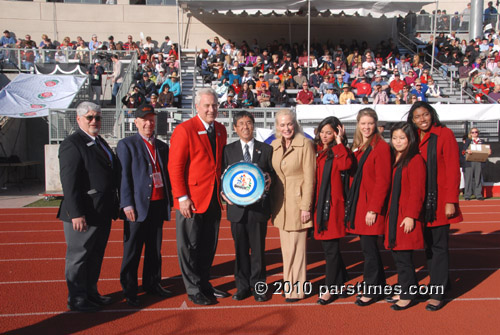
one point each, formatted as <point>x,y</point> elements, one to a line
<point>294,188</point>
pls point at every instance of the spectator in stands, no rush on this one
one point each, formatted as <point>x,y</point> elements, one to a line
<point>282,99</point>
<point>379,96</point>
<point>7,41</point>
<point>166,45</point>
<point>175,87</point>
<point>403,66</point>
<point>95,72</point>
<point>234,75</point>
<point>419,90</point>
<point>323,87</point>
<point>495,94</point>
<point>94,44</point>
<point>305,96</point>
<point>154,101</point>
<point>134,98</point>
<point>463,72</point>
<point>490,15</point>
<point>166,97</point>
<point>274,87</point>
<point>315,79</point>
<point>146,86</point>
<point>413,99</point>
<point>261,81</point>
<point>411,78</point>
<point>82,52</point>
<point>397,84</point>
<point>330,97</point>
<point>246,98</point>
<point>300,78</point>
<point>236,86</point>
<point>263,96</point>
<point>465,18</point>
<point>117,76</point>
<point>346,97</point>
<point>160,79</point>
<point>378,80</point>
<point>369,65</point>
<point>229,103</point>
<point>362,87</point>
<point>433,89</point>
<point>287,79</point>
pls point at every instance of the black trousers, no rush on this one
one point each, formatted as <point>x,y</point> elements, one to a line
<point>373,272</point>
<point>436,251</point>
<point>84,256</point>
<point>335,272</point>
<point>136,235</point>
<point>249,246</point>
<point>406,273</point>
<point>196,244</point>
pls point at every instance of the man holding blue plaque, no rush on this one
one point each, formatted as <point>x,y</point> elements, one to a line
<point>249,223</point>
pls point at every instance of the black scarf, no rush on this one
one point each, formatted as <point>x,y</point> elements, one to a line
<point>431,196</point>
<point>324,196</point>
<point>352,197</point>
<point>393,209</point>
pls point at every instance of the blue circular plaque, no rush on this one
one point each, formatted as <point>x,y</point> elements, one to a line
<point>243,183</point>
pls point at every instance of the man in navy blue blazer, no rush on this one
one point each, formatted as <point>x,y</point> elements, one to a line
<point>145,197</point>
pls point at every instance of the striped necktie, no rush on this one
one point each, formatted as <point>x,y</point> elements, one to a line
<point>246,154</point>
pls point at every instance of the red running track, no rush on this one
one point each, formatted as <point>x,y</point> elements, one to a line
<point>33,291</point>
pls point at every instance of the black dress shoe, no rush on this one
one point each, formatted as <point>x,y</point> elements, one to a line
<point>100,299</point>
<point>480,198</point>
<point>259,297</point>
<point>240,295</point>
<point>434,308</point>
<point>396,307</point>
<point>82,305</point>
<point>327,301</point>
<point>220,294</point>
<point>200,299</point>
<point>362,303</point>
<point>132,301</point>
<point>292,299</point>
<point>158,291</point>
<point>391,300</point>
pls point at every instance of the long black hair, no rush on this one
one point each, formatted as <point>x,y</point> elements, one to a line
<point>422,104</point>
<point>334,123</point>
<point>411,149</point>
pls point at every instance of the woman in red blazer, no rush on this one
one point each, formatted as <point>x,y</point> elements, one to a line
<point>403,229</point>
<point>367,200</point>
<point>332,157</point>
<point>439,149</point>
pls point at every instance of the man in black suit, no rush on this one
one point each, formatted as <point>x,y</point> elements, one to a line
<point>145,199</point>
<point>249,224</point>
<point>89,173</point>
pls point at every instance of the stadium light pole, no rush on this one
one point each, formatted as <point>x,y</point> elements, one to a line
<point>434,39</point>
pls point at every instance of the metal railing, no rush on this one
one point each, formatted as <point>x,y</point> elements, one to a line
<point>128,79</point>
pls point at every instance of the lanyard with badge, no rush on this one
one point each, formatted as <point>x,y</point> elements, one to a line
<point>157,179</point>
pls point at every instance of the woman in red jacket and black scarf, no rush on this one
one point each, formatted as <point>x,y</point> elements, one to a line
<point>332,157</point>
<point>367,201</point>
<point>403,229</point>
<point>439,149</point>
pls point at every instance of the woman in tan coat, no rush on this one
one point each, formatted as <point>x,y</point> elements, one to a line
<point>294,162</point>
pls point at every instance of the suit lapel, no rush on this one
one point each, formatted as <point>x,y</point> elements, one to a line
<point>93,146</point>
<point>256,151</point>
<point>141,146</point>
<point>203,136</point>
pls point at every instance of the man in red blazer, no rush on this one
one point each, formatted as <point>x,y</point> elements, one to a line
<point>195,172</point>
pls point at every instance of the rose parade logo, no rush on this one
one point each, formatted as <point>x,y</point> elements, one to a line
<point>45,95</point>
<point>51,83</point>
<point>243,182</point>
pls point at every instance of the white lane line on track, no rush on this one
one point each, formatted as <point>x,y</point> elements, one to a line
<point>280,275</point>
<point>185,307</point>
<point>224,255</point>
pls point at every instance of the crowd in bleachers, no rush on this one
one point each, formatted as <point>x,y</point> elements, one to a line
<point>279,74</point>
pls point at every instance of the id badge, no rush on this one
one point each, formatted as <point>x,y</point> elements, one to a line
<point>96,76</point>
<point>157,180</point>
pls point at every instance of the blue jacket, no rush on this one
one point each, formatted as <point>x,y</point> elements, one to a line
<point>136,184</point>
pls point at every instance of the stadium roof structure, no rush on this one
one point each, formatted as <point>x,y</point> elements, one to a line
<point>380,8</point>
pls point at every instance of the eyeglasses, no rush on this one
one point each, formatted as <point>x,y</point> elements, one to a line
<point>91,117</point>
<point>474,132</point>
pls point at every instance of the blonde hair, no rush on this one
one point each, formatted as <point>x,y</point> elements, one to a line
<point>358,137</point>
<point>296,127</point>
<point>470,133</point>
